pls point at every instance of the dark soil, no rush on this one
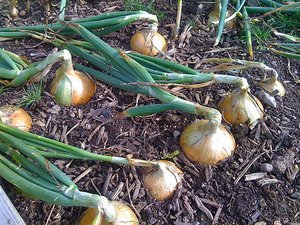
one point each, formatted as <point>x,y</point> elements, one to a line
<point>226,196</point>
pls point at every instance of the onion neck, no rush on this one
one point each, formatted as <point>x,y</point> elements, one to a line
<point>239,81</point>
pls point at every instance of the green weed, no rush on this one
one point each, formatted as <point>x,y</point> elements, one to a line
<point>32,95</point>
<point>148,6</point>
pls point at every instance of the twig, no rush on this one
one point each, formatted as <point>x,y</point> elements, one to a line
<point>203,208</point>
<point>83,174</point>
<point>247,168</point>
<point>50,214</point>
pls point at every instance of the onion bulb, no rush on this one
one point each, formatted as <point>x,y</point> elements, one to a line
<point>272,84</point>
<point>241,107</point>
<point>148,42</point>
<point>207,143</point>
<point>71,87</point>
<point>15,117</point>
<point>125,216</point>
<point>214,17</point>
<point>162,180</point>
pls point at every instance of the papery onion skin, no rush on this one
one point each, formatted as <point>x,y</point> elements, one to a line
<point>271,85</point>
<point>148,42</point>
<point>72,87</point>
<point>240,107</point>
<point>214,17</point>
<point>125,216</point>
<point>161,183</point>
<point>207,143</point>
<point>15,117</point>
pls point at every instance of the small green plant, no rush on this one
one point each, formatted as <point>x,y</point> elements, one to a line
<point>148,6</point>
<point>2,88</point>
<point>32,95</point>
<point>286,23</point>
<point>261,35</point>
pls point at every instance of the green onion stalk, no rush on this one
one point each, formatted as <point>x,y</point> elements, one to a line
<point>247,29</point>
<point>39,146</point>
<point>198,140</point>
<point>222,19</point>
<point>22,166</point>
<point>100,24</point>
<point>17,71</point>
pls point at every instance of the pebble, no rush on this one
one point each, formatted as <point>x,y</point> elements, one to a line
<point>266,167</point>
<point>260,223</point>
<point>176,133</point>
<point>22,13</point>
<point>296,195</point>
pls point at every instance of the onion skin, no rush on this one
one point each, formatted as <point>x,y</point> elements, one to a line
<point>148,42</point>
<point>125,216</point>
<point>271,85</point>
<point>162,182</point>
<point>240,107</point>
<point>70,87</point>
<point>207,143</point>
<point>214,17</point>
<point>15,117</point>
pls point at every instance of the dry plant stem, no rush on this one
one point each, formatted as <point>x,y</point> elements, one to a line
<point>178,19</point>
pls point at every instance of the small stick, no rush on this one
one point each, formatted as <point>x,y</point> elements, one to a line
<point>216,218</point>
<point>202,207</point>
<point>86,172</point>
<point>247,168</point>
<point>50,214</point>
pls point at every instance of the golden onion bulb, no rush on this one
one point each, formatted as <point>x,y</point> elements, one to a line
<point>125,216</point>
<point>148,42</point>
<point>71,87</point>
<point>214,17</point>
<point>241,107</point>
<point>207,143</point>
<point>15,117</point>
<point>162,181</point>
<point>272,84</point>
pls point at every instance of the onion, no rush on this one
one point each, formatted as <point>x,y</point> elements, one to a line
<point>148,42</point>
<point>207,143</point>
<point>162,180</point>
<point>15,117</point>
<point>272,84</point>
<point>241,107</point>
<point>125,216</point>
<point>214,17</point>
<point>70,87</point>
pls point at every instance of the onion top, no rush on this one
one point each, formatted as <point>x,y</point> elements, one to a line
<point>125,216</point>
<point>162,180</point>
<point>148,42</point>
<point>207,143</point>
<point>71,87</point>
<point>241,107</point>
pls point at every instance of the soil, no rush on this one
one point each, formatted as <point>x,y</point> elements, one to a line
<point>227,198</point>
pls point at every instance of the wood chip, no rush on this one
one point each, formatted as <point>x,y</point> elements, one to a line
<point>117,191</point>
<point>202,207</point>
<point>266,181</point>
<point>83,174</point>
<point>107,181</point>
<point>255,176</point>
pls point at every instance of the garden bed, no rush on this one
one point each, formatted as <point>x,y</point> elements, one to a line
<point>225,195</point>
